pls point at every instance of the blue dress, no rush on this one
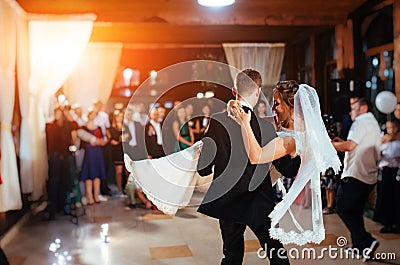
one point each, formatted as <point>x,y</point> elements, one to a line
<point>93,163</point>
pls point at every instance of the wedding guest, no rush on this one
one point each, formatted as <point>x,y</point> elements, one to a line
<point>360,173</point>
<point>77,115</point>
<point>261,109</point>
<point>390,186</point>
<point>193,122</point>
<point>140,115</point>
<point>93,167</point>
<point>397,111</point>
<point>115,136</point>
<point>183,133</point>
<point>161,114</point>
<point>133,140</point>
<point>153,136</point>
<point>102,120</point>
<point>59,136</point>
<point>204,119</point>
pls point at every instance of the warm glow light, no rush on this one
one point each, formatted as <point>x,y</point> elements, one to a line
<point>153,92</point>
<point>127,74</point>
<point>209,94</point>
<point>153,74</point>
<point>119,106</point>
<point>127,93</point>
<point>61,98</point>
<point>153,77</point>
<point>215,3</point>
<point>200,95</point>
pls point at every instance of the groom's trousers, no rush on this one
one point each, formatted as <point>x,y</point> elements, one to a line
<point>233,240</point>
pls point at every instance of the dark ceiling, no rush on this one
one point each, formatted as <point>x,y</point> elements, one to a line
<point>184,21</point>
<point>159,33</point>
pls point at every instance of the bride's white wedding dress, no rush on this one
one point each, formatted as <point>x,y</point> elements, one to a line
<point>169,182</point>
<point>298,217</point>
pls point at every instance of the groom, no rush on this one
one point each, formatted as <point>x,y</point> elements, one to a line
<point>241,193</point>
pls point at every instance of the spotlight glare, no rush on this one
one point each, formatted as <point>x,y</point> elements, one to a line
<point>215,3</point>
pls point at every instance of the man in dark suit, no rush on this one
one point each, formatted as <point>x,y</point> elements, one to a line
<point>241,193</point>
<point>133,140</point>
<point>153,136</point>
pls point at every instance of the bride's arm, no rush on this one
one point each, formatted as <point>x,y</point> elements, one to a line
<point>277,148</point>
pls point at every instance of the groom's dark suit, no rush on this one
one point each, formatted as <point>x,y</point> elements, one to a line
<point>241,193</point>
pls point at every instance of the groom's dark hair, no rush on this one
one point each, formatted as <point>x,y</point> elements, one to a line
<point>247,81</point>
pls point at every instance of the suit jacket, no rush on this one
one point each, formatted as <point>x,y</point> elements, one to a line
<point>137,152</point>
<point>153,148</point>
<point>240,192</point>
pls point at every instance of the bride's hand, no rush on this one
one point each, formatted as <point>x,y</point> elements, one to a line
<point>236,112</point>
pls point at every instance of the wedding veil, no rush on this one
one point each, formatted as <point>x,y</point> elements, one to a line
<point>298,217</point>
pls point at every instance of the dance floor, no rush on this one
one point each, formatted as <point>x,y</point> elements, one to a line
<point>145,237</point>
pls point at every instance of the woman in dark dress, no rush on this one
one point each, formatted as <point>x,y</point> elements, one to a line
<point>115,136</point>
<point>93,167</point>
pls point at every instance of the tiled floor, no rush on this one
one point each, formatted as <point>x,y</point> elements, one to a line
<point>145,237</point>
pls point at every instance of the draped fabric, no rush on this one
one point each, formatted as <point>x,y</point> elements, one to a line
<point>93,78</point>
<point>55,49</point>
<point>23,70</point>
<point>267,58</point>
<point>10,195</point>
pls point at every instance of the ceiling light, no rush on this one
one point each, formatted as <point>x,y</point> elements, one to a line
<point>215,3</point>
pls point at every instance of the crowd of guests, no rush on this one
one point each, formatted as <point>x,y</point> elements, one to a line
<point>94,145</point>
<point>152,133</point>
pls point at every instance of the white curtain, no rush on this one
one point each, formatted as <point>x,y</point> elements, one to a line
<point>10,195</point>
<point>93,78</point>
<point>267,58</point>
<point>23,68</point>
<point>55,49</point>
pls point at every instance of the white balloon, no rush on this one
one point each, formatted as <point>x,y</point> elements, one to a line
<point>386,102</point>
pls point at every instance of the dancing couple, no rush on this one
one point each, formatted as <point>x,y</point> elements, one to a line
<point>238,149</point>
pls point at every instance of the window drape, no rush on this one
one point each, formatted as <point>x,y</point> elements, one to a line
<point>93,78</point>
<point>23,89</point>
<point>55,47</point>
<point>10,195</point>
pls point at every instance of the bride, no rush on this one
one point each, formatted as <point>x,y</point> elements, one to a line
<point>298,217</point>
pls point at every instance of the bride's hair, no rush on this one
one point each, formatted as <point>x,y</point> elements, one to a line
<point>286,91</point>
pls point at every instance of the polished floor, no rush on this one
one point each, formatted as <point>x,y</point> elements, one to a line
<point>146,237</point>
